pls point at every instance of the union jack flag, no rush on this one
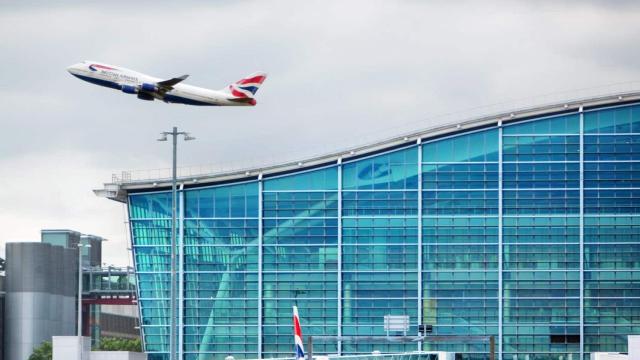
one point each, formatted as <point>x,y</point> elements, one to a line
<point>297,335</point>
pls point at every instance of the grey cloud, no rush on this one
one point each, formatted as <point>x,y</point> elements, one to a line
<point>368,68</point>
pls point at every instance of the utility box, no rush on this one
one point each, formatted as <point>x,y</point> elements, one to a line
<point>396,323</point>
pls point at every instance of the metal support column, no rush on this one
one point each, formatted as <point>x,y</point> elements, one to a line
<point>420,306</point>
<point>174,204</point>
<point>500,250</point>
<point>581,233</point>
<point>340,255</point>
<point>172,286</point>
<point>180,252</point>
<point>260,239</point>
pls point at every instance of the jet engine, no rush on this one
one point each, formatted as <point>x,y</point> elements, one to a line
<point>145,96</point>
<point>149,87</point>
<point>129,89</point>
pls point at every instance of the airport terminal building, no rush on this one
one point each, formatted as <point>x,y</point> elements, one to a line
<point>523,225</point>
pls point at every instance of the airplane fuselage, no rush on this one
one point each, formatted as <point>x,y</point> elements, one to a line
<point>149,88</point>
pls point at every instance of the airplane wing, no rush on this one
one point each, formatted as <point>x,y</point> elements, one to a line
<point>168,84</point>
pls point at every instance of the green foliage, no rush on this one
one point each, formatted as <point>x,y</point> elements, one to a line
<point>42,352</point>
<point>119,344</point>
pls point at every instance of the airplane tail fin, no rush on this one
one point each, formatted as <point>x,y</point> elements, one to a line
<point>297,335</point>
<point>245,89</point>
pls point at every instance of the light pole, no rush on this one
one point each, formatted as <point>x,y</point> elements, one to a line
<point>80,246</point>
<point>172,312</point>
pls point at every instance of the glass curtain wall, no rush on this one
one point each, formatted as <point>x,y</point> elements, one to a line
<point>344,242</point>
<point>379,246</point>
<point>611,227</point>
<point>220,272</point>
<point>300,259</point>
<point>541,237</point>
<point>150,225</point>
<point>460,238</point>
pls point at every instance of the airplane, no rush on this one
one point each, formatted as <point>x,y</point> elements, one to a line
<point>240,93</point>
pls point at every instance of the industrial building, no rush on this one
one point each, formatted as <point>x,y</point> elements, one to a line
<point>40,300</point>
<point>524,225</point>
<point>39,293</point>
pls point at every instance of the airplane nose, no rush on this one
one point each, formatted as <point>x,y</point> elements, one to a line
<point>72,69</point>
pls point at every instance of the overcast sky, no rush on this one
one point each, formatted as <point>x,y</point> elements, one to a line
<point>340,72</point>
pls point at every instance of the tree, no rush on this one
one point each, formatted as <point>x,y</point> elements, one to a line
<point>119,344</point>
<point>42,352</point>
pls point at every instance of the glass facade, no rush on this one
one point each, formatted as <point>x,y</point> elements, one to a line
<point>528,231</point>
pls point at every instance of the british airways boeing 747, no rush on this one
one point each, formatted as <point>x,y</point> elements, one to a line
<point>240,93</point>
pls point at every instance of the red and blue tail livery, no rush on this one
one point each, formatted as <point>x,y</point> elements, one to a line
<point>248,86</point>
<point>297,331</point>
<point>145,87</point>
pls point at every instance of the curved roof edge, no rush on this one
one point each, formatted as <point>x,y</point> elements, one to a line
<point>117,189</point>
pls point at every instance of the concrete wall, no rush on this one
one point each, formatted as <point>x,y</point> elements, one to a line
<point>117,355</point>
<point>608,356</point>
<point>37,294</point>
<point>67,348</point>
<point>633,342</point>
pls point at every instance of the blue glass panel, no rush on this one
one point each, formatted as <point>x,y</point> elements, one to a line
<point>541,284</point>
<point>460,202</point>
<point>460,257</point>
<point>621,120</point>
<point>300,204</point>
<point>611,147</point>
<point>146,206</point>
<point>379,257</point>
<point>380,230</point>
<point>611,229</point>
<point>460,284</point>
<point>396,170</point>
<point>476,147</point>
<point>541,148</point>
<point>612,175</point>
<point>323,179</point>
<point>221,232</point>
<point>608,338</point>
<point>367,203</point>
<point>460,230</point>
<point>541,202</point>
<point>612,201</point>
<point>566,124</point>
<point>222,202</point>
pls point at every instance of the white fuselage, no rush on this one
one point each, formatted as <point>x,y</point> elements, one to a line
<point>131,82</point>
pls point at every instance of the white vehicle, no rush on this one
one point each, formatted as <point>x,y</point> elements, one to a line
<point>240,93</point>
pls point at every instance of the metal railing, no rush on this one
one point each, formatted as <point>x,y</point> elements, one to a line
<point>109,281</point>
